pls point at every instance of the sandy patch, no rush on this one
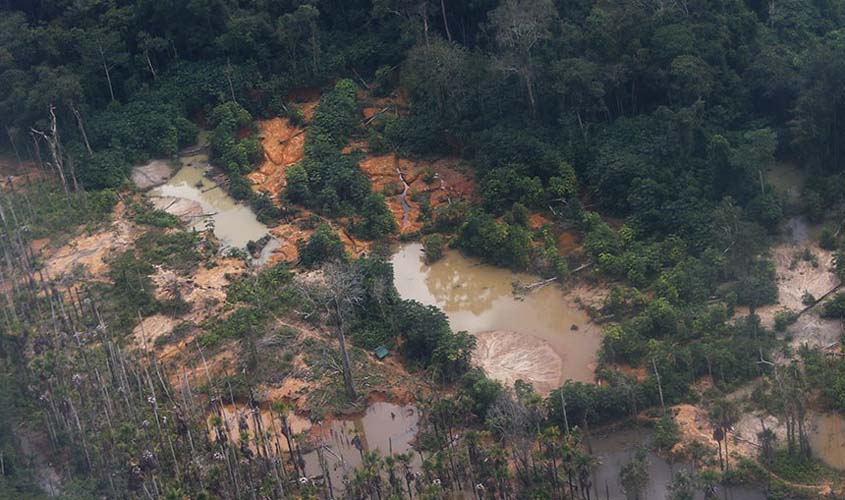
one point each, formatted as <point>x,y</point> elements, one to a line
<point>694,425</point>
<point>151,329</point>
<point>186,210</point>
<point>510,356</point>
<point>814,331</point>
<point>291,389</point>
<point>154,173</point>
<point>205,291</point>
<point>91,251</point>
<point>797,276</point>
<point>288,235</point>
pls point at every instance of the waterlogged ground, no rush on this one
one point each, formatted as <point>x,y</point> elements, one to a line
<point>617,449</point>
<point>542,337</point>
<point>386,427</point>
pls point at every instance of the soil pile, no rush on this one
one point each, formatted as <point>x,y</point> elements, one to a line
<point>154,173</point>
<point>510,356</point>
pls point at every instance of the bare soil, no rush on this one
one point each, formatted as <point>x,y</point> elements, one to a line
<point>154,173</point>
<point>797,276</point>
<point>89,252</point>
<point>695,425</point>
<point>510,356</point>
<point>284,146</point>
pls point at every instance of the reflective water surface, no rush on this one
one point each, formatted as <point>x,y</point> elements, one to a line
<point>616,449</point>
<point>479,298</point>
<point>386,427</point>
<point>234,223</point>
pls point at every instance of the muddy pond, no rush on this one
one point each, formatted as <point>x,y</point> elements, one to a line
<point>194,196</point>
<point>618,448</point>
<point>391,429</point>
<point>386,427</point>
<point>542,337</point>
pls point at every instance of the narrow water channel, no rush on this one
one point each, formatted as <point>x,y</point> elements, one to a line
<point>542,337</point>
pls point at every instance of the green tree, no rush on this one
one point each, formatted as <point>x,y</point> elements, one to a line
<point>324,245</point>
<point>376,219</point>
<point>634,475</point>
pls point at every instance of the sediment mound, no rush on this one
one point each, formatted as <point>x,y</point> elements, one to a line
<point>154,173</point>
<point>187,210</point>
<point>508,356</point>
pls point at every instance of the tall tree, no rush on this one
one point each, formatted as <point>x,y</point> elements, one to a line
<point>519,27</point>
<point>340,294</point>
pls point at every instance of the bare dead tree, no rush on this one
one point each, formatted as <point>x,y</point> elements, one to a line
<point>519,26</point>
<point>81,127</point>
<point>55,146</point>
<point>445,20</point>
<point>339,295</point>
<point>106,68</point>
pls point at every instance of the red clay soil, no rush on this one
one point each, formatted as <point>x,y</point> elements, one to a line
<point>447,185</point>
<point>537,220</point>
<point>569,243</point>
<point>283,146</point>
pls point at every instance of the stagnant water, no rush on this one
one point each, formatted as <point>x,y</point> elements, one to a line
<point>827,439</point>
<point>542,337</point>
<point>618,448</point>
<point>385,427</point>
<point>234,224</point>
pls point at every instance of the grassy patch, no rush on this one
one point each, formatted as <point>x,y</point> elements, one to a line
<point>797,468</point>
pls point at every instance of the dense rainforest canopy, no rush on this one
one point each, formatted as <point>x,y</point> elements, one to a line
<point>648,127</point>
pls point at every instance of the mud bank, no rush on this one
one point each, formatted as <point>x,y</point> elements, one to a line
<point>154,173</point>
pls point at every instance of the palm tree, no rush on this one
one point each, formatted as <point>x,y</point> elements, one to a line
<point>723,415</point>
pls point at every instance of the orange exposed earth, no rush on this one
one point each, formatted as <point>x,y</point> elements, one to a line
<point>440,180</point>
<point>284,143</point>
<point>283,146</point>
